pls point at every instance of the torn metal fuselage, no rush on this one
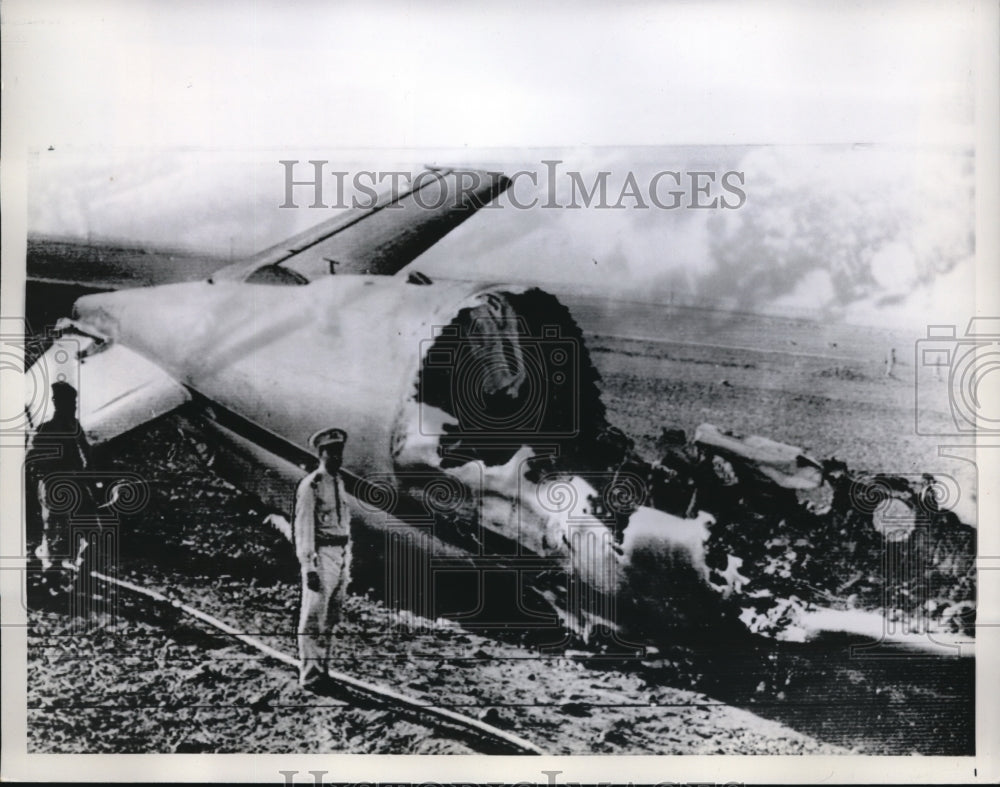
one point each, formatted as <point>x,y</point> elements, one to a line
<point>478,453</point>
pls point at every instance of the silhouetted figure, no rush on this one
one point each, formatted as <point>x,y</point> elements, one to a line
<point>58,451</point>
<point>890,363</point>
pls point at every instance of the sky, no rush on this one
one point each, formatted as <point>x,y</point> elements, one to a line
<point>442,74</point>
<point>854,125</point>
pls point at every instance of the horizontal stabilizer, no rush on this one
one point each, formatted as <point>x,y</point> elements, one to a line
<point>117,388</point>
<point>380,239</point>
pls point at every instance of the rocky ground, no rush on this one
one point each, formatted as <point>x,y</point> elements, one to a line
<point>148,679</point>
<point>154,685</point>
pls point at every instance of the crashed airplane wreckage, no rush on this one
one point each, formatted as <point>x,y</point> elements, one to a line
<point>481,457</point>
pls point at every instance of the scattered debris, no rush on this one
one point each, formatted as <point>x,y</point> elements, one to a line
<point>773,552</point>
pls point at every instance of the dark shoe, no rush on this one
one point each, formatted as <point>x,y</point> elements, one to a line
<point>322,684</point>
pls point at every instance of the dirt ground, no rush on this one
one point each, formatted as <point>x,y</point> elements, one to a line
<point>146,680</point>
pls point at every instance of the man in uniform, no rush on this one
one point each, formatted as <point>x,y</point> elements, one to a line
<point>322,532</point>
<point>58,451</point>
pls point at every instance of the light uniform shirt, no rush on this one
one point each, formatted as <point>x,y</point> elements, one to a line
<point>320,508</point>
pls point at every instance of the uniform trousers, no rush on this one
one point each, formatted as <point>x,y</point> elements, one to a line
<point>321,610</point>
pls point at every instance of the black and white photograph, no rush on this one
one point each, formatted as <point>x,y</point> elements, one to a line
<point>526,388</point>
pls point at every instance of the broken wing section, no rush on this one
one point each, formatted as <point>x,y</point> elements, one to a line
<point>117,389</point>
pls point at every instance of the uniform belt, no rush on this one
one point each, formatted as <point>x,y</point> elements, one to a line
<point>330,540</point>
